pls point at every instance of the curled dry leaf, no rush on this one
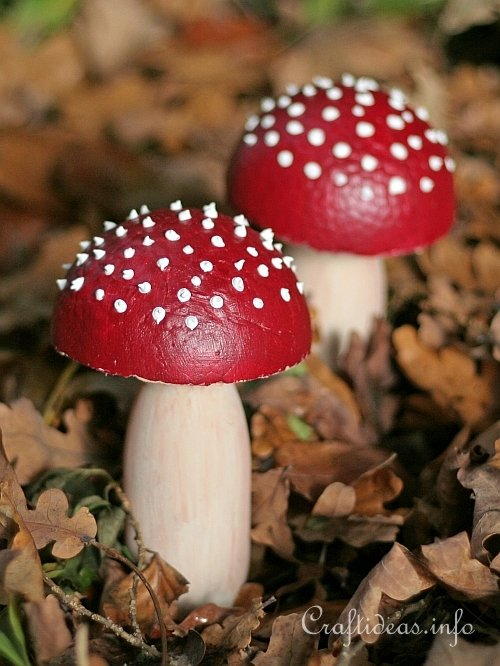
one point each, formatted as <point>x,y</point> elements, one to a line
<point>33,446</point>
<point>290,645</point>
<point>337,499</point>
<point>235,633</point>
<point>166,581</point>
<point>357,531</point>
<point>49,522</point>
<point>47,628</point>
<point>399,576</point>
<point>451,562</point>
<point>449,375</point>
<point>270,492</point>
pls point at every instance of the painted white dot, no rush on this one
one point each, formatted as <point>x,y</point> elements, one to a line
<point>77,283</point>
<point>367,193</point>
<point>300,287</point>
<point>397,185</point>
<point>278,247</point>
<point>162,263</point>
<point>144,210</point>
<point>120,231</point>
<point>217,241</point>
<point>238,283</point>
<point>99,294</point>
<point>66,266</point>
<point>144,287</point>
<point>395,122</point>
<point>241,220</point>
<point>258,303</point>
<point>207,223</point>
<point>426,184</point>
<point>334,93</point>
<point>422,113</point>
<point>330,113</point>
<point>435,162</point>
<point>263,270</point>
<point>365,98</point>
<point>171,235</point>
<point>322,81</point>
<point>176,205</point>
<point>206,266</point>
<point>188,249</point>
<point>267,234</point>
<point>191,322</point>
<point>288,261</point>
<point>184,215</point>
<point>81,258</point>
<point>99,254</point>
<point>316,136</point>
<point>251,123</point>
<point>450,164</point>
<point>415,141</point>
<point>147,222</point>
<point>358,111</point>
<point>196,281</point>
<point>216,302</point>
<point>267,121</point>
<point>296,109</point>
<point>309,90</point>
<point>292,88</point>
<point>271,138</point>
<point>84,244</point>
<point>128,274</point>
<point>407,116</point>
<point>240,231</point>
<point>277,262</point>
<point>98,240</point>
<point>396,103</point>
<point>285,294</point>
<point>365,83</point>
<point>158,314</point>
<point>148,241</point>
<point>285,158</point>
<point>210,210</point>
<point>442,137</point>
<point>348,80</point>
<point>312,170</point>
<point>252,251</point>
<point>399,151</point>
<point>133,215</point>
<point>183,295</point>
<point>109,225</point>
<point>61,283</point>
<point>341,150</point>
<point>369,163</point>
<point>283,101</point>
<point>239,264</point>
<point>120,305</point>
<point>268,244</point>
<point>294,128</point>
<point>340,178</point>
<point>364,129</point>
<point>108,269</point>
<point>267,104</point>
<point>431,135</point>
<point>250,139</point>
<point>129,252</point>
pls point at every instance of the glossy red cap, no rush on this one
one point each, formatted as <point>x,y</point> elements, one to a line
<point>184,297</point>
<point>345,167</point>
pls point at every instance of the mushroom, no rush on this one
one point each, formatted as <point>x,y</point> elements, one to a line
<point>344,168</point>
<point>190,302</point>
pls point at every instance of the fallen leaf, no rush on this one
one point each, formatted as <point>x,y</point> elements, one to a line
<point>451,562</point>
<point>398,576</point>
<point>235,632</point>
<point>459,15</point>
<point>337,499</point>
<point>49,522</point>
<point>47,628</point>
<point>357,531</point>
<point>168,585</point>
<point>290,645</point>
<point>270,492</point>
<point>376,487</point>
<point>33,446</point>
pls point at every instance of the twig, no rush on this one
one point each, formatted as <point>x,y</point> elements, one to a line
<point>127,507</point>
<point>82,645</point>
<point>115,555</point>
<point>72,602</point>
<point>53,401</point>
<point>132,608</point>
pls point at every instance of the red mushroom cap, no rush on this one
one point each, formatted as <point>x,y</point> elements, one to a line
<point>345,167</point>
<point>183,297</point>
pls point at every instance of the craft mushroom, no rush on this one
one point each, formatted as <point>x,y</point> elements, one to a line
<point>190,302</point>
<point>344,168</point>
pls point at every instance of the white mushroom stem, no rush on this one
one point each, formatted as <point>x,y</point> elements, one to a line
<point>187,474</point>
<point>346,291</point>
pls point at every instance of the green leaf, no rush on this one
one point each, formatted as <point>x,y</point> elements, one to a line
<point>12,638</point>
<point>298,370</point>
<point>321,11</point>
<point>404,7</point>
<point>94,503</point>
<point>109,525</point>
<point>38,18</point>
<point>300,427</point>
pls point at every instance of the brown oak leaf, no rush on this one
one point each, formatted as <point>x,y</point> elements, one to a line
<point>270,492</point>
<point>290,645</point>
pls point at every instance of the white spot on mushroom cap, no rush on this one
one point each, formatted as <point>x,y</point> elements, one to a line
<point>120,231</point>
<point>407,116</point>
<point>176,205</point>
<point>348,80</point>
<point>144,287</point>
<point>415,141</point>
<point>162,263</point>
<point>210,210</point>
<point>271,138</point>
<point>397,185</point>
<point>207,223</point>
<point>334,93</point>
<point>196,280</point>
<point>367,193</point>
<point>312,170</point>
<point>144,210</point>
<point>128,274</point>
<point>358,111</point>
<point>99,254</point>
<point>183,295</point>
<point>450,164</point>
<point>292,89</point>
<point>191,322</point>
<point>216,302</point>
<point>426,184</point>
<point>81,258</point>
<point>322,81</point>
<point>267,104</point>
<point>395,122</point>
<point>148,222</point>
<point>258,303</point>
<point>285,294</point>
<point>250,139</point>
<point>147,241</point>
<point>296,109</point>
<point>330,113</point>
<point>252,251</point>
<point>239,264</point>
<point>120,305</point>
<point>61,283</point>
<point>300,287</point>
<point>364,129</point>
<point>217,241</point>
<point>285,158</point>
<point>340,178</point>
<point>158,314</point>
<point>108,225</point>
<point>99,294</point>
<point>240,231</point>
<point>341,150</point>
<point>277,262</point>
<point>435,162</point>
<point>267,121</point>
<point>171,235</point>
<point>294,128</point>
<point>316,136</point>
<point>129,252</point>
<point>251,123</point>
<point>206,266</point>
<point>283,101</point>
<point>308,90</point>
<point>422,113</point>
<point>365,98</point>
<point>399,151</point>
<point>184,215</point>
<point>238,283</point>
<point>84,244</point>
<point>133,215</point>
<point>369,163</point>
<point>98,240</point>
<point>77,283</point>
<point>187,249</point>
<point>108,269</point>
<point>263,270</point>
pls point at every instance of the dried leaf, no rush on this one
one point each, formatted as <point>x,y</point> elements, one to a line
<point>270,492</point>
<point>398,576</point>
<point>336,500</point>
<point>49,522</point>
<point>235,633</point>
<point>451,562</point>
<point>47,628</point>
<point>357,531</point>
<point>376,487</point>
<point>290,645</point>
